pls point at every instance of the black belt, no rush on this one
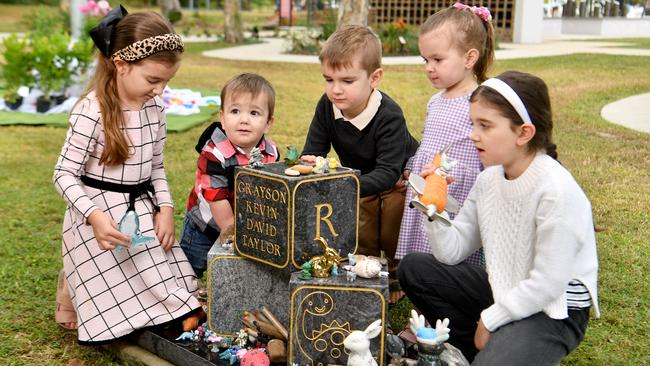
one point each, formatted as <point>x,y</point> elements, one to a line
<point>134,190</point>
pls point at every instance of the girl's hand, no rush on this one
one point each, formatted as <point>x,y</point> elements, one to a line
<point>429,169</point>
<point>164,227</point>
<point>481,336</point>
<point>106,233</point>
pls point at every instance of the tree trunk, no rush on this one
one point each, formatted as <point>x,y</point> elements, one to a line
<point>232,24</point>
<point>167,6</point>
<point>353,12</point>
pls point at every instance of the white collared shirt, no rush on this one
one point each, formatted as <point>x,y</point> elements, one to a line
<point>362,120</point>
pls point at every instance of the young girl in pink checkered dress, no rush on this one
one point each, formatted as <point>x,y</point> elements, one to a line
<point>111,167</point>
<point>457,46</point>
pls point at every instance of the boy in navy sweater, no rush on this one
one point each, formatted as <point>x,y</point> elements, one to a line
<point>368,131</point>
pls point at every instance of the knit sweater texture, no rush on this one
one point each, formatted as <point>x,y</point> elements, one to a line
<point>537,233</point>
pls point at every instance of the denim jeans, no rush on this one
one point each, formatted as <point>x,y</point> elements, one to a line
<point>460,292</point>
<point>196,246</point>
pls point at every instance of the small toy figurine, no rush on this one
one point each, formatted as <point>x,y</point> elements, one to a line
<point>358,343</point>
<point>322,264</point>
<point>230,354</point>
<point>333,164</point>
<point>430,341</point>
<point>242,338</point>
<point>432,198</point>
<point>292,157</point>
<point>335,270</point>
<point>256,157</point>
<point>256,357</point>
<point>186,336</point>
<point>395,348</point>
<point>350,276</point>
<point>321,165</point>
<point>130,225</point>
<point>305,271</point>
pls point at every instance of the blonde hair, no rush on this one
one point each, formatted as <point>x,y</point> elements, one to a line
<point>470,32</point>
<point>346,43</point>
<point>132,28</point>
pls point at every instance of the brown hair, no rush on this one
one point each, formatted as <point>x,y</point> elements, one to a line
<point>470,32</point>
<point>132,28</point>
<point>349,41</point>
<point>533,92</point>
<point>251,84</point>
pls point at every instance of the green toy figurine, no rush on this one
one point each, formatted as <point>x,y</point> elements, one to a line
<point>292,156</point>
<point>305,271</point>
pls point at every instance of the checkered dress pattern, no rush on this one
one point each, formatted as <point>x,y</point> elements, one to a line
<point>447,121</point>
<point>114,292</point>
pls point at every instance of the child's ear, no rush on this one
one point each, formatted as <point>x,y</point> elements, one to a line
<point>375,77</point>
<point>471,57</point>
<point>526,133</point>
<point>221,115</point>
<point>121,66</point>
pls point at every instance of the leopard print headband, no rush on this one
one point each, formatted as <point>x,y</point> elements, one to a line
<point>148,46</point>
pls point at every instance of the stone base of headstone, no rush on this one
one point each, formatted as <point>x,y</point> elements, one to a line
<point>236,284</point>
<point>162,344</point>
<point>325,310</point>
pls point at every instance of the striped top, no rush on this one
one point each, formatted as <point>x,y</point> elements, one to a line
<point>577,296</point>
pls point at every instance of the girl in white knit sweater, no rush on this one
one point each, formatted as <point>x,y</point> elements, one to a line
<point>530,306</point>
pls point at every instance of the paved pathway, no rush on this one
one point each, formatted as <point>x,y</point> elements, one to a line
<point>632,112</point>
<point>272,49</point>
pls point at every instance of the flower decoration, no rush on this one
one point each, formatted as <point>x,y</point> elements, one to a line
<point>96,9</point>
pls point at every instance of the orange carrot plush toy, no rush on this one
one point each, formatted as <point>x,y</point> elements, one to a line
<point>432,198</point>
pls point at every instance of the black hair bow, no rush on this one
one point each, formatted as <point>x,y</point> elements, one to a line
<point>103,32</point>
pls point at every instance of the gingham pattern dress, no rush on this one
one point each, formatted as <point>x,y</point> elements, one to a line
<point>115,292</point>
<point>447,121</point>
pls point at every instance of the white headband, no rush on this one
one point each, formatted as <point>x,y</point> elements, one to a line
<point>507,92</point>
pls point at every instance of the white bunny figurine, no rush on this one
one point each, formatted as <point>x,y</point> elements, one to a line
<point>358,343</point>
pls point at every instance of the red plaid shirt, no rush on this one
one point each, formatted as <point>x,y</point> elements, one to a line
<point>218,158</point>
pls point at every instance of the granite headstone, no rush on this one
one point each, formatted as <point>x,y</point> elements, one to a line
<point>325,310</point>
<point>278,217</point>
<point>236,284</point>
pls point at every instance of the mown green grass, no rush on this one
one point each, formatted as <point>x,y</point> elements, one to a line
<point>643,43</point>
<point>611,163</point>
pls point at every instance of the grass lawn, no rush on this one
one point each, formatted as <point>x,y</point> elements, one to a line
<point>611,163</point>
<point>643,43</point>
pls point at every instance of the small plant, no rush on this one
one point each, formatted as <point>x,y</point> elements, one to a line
<point>44,21</point>
<point>49,63</point>
<point>398,38</point>
<point>306,42</point>
<point>174,16</point>
<point>18,66</point>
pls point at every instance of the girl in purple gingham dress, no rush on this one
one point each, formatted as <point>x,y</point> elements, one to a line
<point>447,122</point>
<point>114,292</point>
<point>457,46</point>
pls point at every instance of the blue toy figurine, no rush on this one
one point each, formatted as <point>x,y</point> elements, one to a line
<point>130,225</point>
<point>430,341</point>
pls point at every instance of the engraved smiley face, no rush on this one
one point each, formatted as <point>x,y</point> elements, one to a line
<point>319,303</point>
